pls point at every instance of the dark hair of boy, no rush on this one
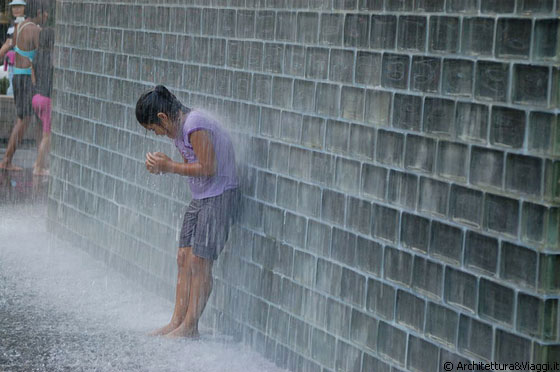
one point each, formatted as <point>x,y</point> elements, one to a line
<point>157,100</point>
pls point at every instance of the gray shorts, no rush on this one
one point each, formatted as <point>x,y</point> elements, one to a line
<point>207,222</point>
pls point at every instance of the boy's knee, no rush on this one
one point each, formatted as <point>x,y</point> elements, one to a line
<point>199,265</point>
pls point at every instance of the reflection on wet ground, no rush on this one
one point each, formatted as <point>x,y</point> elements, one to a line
<point>22,186</point>
<point>62,311</point>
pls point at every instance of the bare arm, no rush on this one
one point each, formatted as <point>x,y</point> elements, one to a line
<point>5,48</point>
<point>204,150</point>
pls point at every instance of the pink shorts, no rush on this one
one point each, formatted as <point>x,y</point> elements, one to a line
<point>42,107</point>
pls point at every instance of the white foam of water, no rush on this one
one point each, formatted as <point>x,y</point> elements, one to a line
<point>106,317</point>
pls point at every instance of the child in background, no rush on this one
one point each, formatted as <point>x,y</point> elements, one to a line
<point>42,75</point>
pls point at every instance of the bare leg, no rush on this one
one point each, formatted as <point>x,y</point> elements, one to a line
<point>40,168</point>
<point>15,138</point>
<point>201,287</point>
<point>184,257</point>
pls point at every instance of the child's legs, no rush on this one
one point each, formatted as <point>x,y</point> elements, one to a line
<point>200,289</point>
<point>42,107</point>
<point>184,257</point>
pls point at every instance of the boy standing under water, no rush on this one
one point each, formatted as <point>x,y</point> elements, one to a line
<point>209,163</point>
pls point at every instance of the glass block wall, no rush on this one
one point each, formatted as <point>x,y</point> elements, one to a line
<point>399,158</point>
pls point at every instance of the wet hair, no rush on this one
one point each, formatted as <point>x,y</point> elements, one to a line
<point>35,6</point>
<point>157,100</point>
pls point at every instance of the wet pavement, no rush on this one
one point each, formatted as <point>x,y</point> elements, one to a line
<point>62,311</point>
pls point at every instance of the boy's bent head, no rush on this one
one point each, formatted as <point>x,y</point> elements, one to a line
<point>155,101</point>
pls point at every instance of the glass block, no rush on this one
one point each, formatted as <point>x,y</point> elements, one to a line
<point>328,99</point>
<point>410,310</point>
<point>294,60</point>
<point>548,277</point>
<point>383,31</point>
<point>444,34</point>
<point>307,25</point>
<point>544,133</point>
<point>272,60</point>
<point>362,141</point>
<point>341,66</point>
<point>430,5</point>
<point>317,63</point>
<point>513,37</point>
<point>266,21</point>
<point>399,5</point>
<point>519,264</point>
<point>460,289</point>
<point>508,127</point>
<point>486,167</point>
<point>425,74</point>
<point>304,93</point>
<point>472,121</point>
<point>496,302</point>
<point>446,242</point>
<point>427,277</point>
<point>374,181</point>
<point>331,31</point>
<point>530,84</point>
<point>433,196</point>
<point>465,205</point>
<point>523,174</point>
<point>385,223</point>
<point>415,232</point>
<point>398,266</point>
<point>492,81</point>
<point>378,107</point>
<point>462,6</point>
<point>407,112</point>
<point>481,253</point>
<point>471,42</point>
<point>356,31</point>
<point>511,348</point>
<point>537,317</point>
<point>501,214</point>
<point>546,42</point>
<point>452,160</point>
<point>389,149</point>
<point>381,299</point>
<point>457,77</point>
<point>368,68</point>
<point>286,26</point>
<point>352,103</point>
<point>402,189</point>
<point>420,153</point>
<point>497,6</point>
<point>475,337</point>
<point>394,71</point>
<point>441,323</point>
<point>534,6</point>
<point>412,33</point>
<point>347,173</point>
<point>391,343</point>
<point>439,116</point>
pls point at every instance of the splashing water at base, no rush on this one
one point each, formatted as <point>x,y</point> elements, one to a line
<point>62,311</point>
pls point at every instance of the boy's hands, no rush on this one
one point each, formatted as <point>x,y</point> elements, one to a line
<point>158,162</point>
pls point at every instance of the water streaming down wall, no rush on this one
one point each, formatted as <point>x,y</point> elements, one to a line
<point>400,169</point>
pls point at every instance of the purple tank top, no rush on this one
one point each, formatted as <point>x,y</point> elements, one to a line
<point>225,177</point>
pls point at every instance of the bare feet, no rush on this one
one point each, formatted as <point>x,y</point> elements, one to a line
<point>184,331</point>
<point>164,330</point>
<point>9,167</point>
<point>40,172</point>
